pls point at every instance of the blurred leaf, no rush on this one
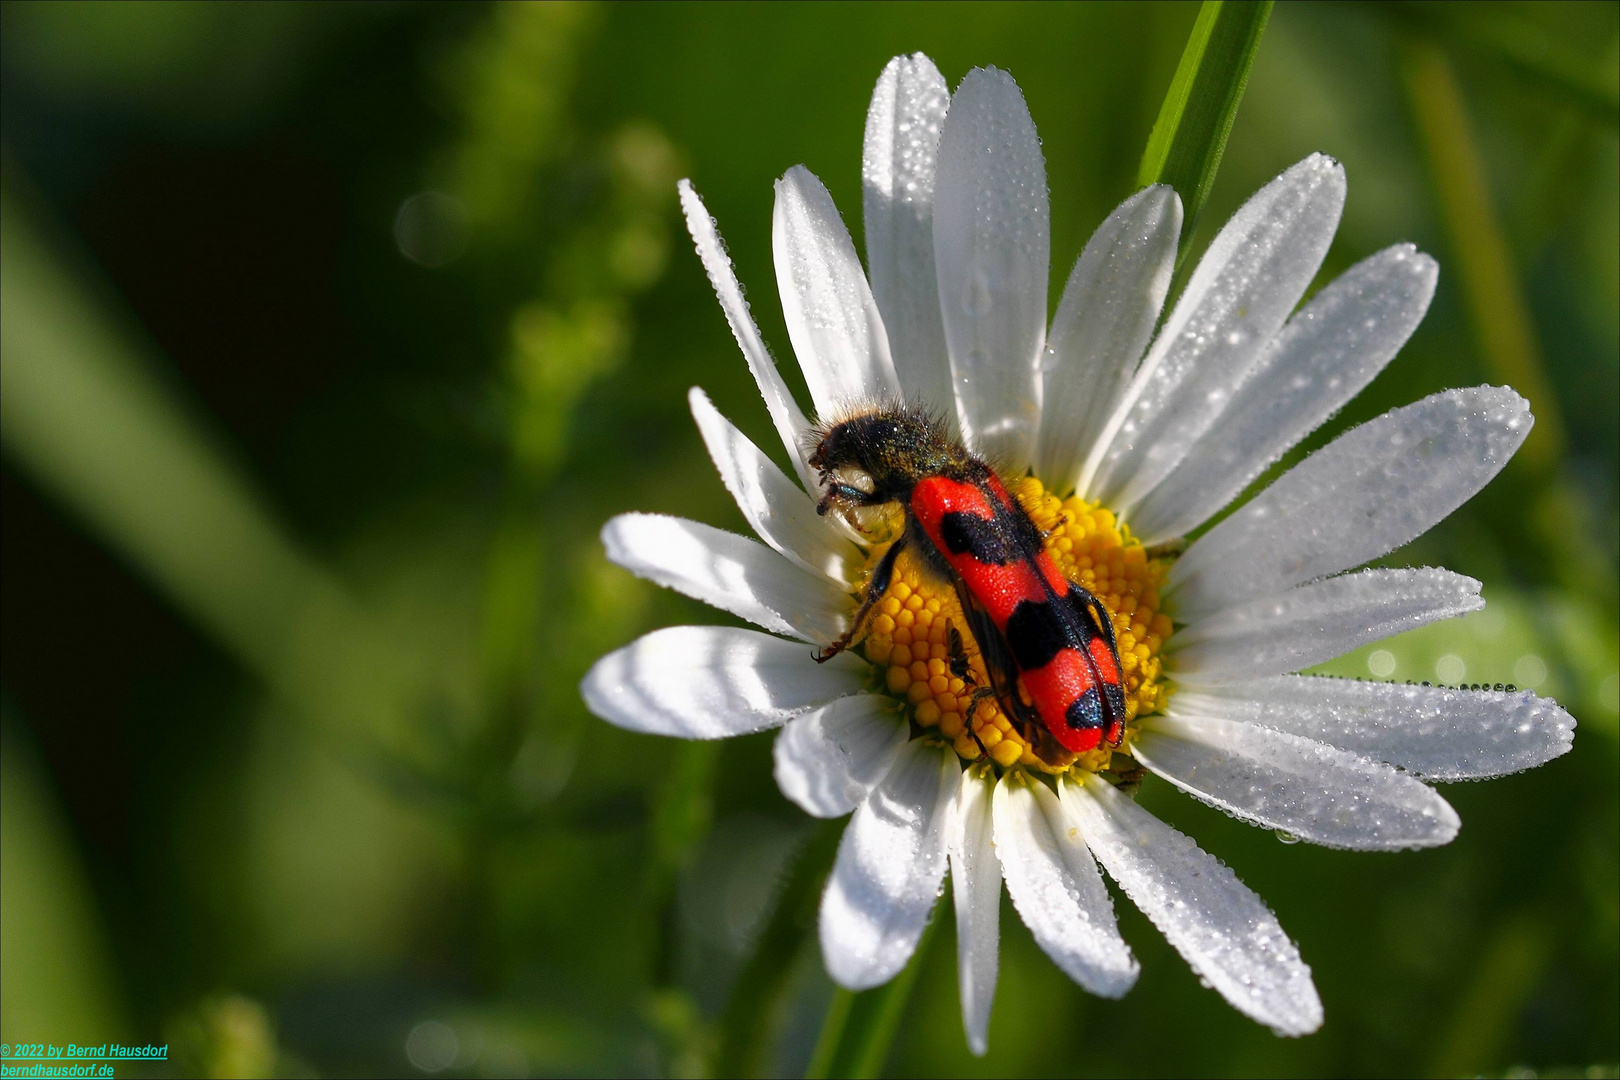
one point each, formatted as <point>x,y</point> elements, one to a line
<point>94,428</point>
<point>56,979</point>
<point>1189,137</point>
<point>226,1036</point>
<point>81,413</point>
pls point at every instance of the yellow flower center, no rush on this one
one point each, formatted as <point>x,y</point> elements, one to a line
<point>909,637</point>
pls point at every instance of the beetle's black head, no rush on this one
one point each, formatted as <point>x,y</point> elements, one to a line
<point>877,457</point>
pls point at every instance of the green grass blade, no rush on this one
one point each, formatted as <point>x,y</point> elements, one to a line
<point>93,427</point>
<point>1190,134</point>
<point>1491,288</point>
<point>1500,33</point>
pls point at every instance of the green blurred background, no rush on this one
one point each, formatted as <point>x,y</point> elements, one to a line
<point>332,334</point>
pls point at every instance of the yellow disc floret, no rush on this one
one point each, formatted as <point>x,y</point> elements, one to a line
<point>909,636</point>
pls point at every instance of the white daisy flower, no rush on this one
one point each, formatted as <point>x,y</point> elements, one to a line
<point>1118,442</point>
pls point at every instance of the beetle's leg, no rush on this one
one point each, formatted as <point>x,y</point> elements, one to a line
<point>984,755</point>
<point>980,694</point>
<point>983,693</point>
<point>959,665</point>
<point>1130,778</point>
<point>876,586</point>
<point>1132,774</point>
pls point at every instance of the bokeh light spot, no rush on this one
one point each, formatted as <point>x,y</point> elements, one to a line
<point>1530,671</point>
<point>432,1046</point>
<point>431,228</point>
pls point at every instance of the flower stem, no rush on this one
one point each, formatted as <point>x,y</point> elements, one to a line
<point>859,1028</point>
<point>832,1034</point>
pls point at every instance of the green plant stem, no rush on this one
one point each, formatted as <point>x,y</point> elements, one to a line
<point>1490,284</point>
<point>859,1028</point>
<point>1189,136</point>
<point>832,1034</point>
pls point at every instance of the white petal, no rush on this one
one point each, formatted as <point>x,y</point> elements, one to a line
<point>897,180</point>
<point>709,682</point>
<point>1430,731</point>
<point>891,864</point>
<point>1369,491</point>
<point>991,250</point>
<point>830,759</point>
<point>1102,325</point>
<point>1253,274</point>
<point>1223,930</point>
<point>1055,886</point>
<point>783,515</point>
<point>1313,623</point>
<point>1324,357</point>
<point>1307,789</point>
<point>785,412</point>
<point>837,332</point>
<point>976,885</point>
<point>731,572</point>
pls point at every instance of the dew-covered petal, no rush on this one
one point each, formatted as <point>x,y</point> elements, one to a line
<point>1223,930</point>
<point>976,886</point>
<point>782,514</point>
<point>1253,274</point>
<point>710,682</point>
<point>730,572</point>
<point>891,864</point>
<point>897,180</point>
<point>829,759</point>
<point>1313,623</point>
<point>1056,888</point>
<point>1102,326</point>
<point>1435,732</point>
<point>832,319</point>
<point>1304,788</point>
<point>991,252</point>
<point>1321,359</point>
<point>1366,493</point>
<point>785,412</point>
